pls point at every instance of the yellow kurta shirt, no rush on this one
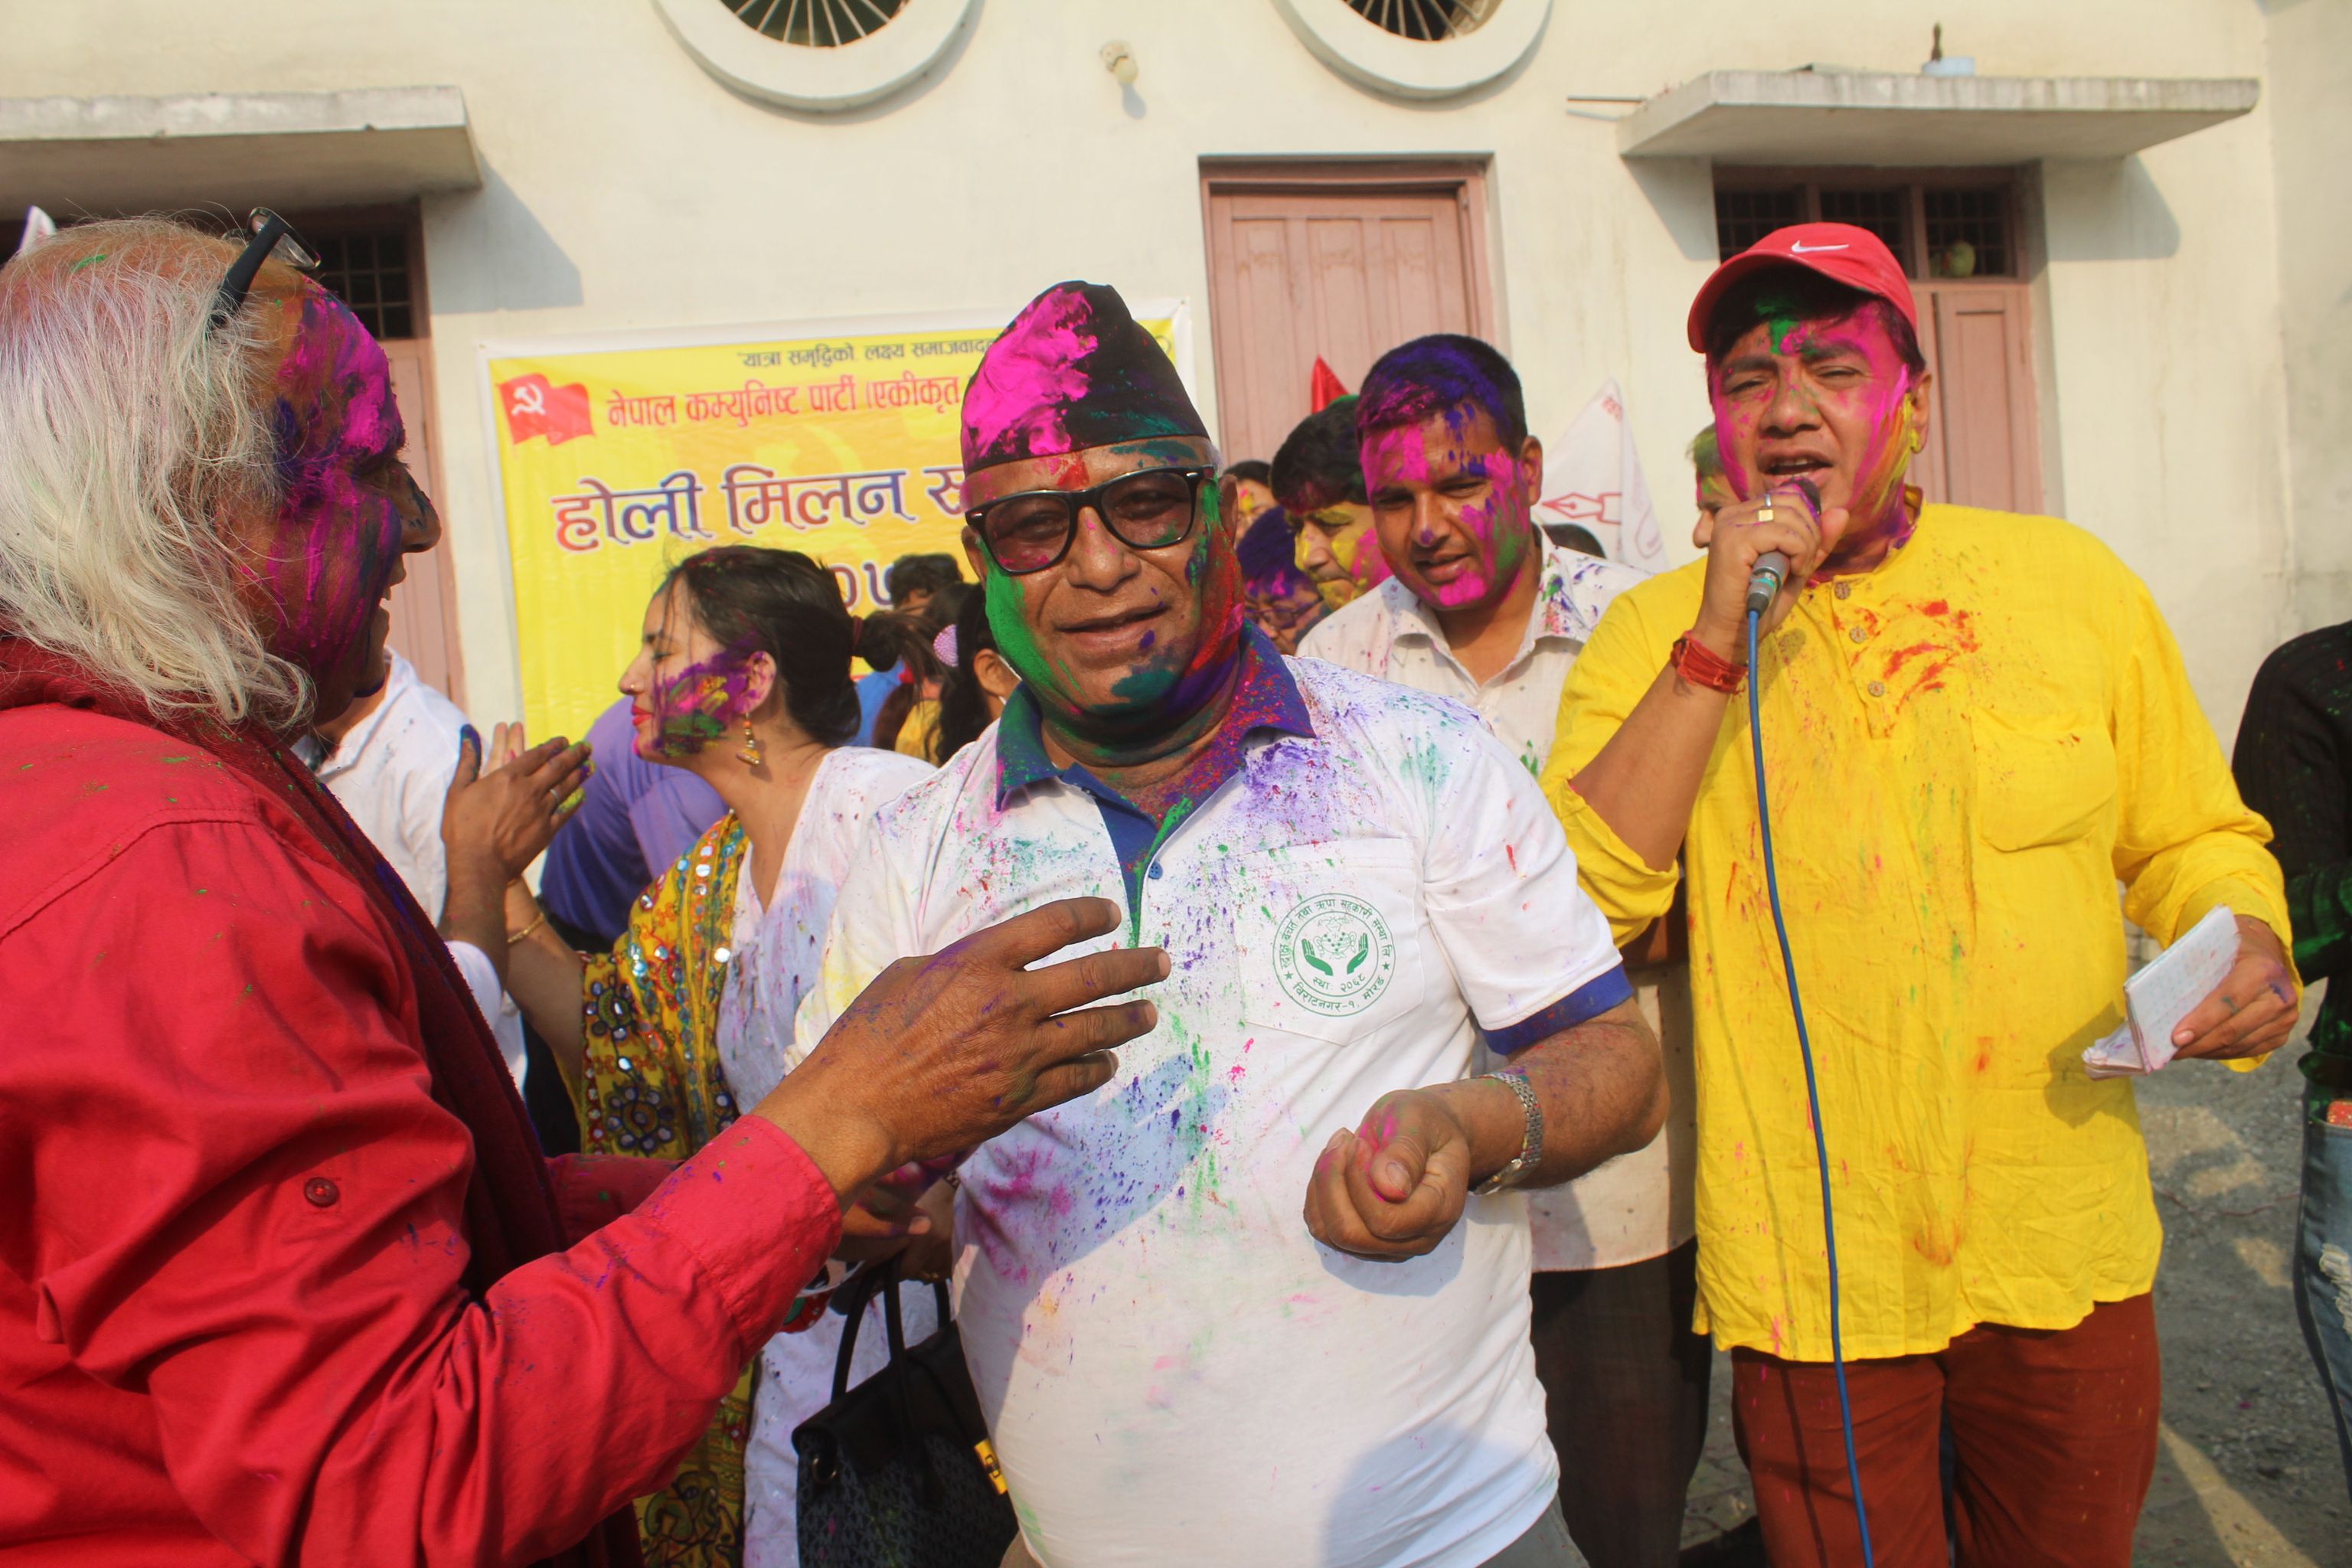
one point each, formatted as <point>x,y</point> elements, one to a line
<point>1966,750</point>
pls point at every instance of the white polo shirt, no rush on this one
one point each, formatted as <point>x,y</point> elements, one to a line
<point>1170,1365</point>
<point>1638,1206</point>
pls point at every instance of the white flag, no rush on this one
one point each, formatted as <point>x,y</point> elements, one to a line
<point>39,226</point>
<point>1592,476</point>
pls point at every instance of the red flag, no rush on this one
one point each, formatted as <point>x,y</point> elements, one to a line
<point>1325,388</point>
<point>535,408</point>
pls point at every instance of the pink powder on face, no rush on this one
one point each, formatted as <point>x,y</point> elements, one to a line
<point>1495,528</point>
<point>1030,374</point>
<point>1880,406</point>
<point>346,499</point>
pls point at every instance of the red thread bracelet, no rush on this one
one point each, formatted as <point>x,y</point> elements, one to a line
<point>1700,666</point>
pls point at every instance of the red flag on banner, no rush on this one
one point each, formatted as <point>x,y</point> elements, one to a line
<point>535,408</point>
<point>1325,388</point>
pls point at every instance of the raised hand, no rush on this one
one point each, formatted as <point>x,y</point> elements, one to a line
<point>503,818</point>
<point>942,1053</point>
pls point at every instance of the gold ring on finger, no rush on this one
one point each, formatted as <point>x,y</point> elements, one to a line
<point>1765,515</point>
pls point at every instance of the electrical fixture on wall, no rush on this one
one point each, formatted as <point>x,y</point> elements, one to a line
<point>1419,49</point>
<point>1119,60</point>
<point>817,56</point>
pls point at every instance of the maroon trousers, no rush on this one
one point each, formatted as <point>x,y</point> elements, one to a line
<point>2056,1432</point>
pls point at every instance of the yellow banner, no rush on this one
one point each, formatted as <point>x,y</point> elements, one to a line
<point>617,461</point>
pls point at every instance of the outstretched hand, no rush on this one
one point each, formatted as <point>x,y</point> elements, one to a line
<point>944,1052</point>
<point>504,818</point>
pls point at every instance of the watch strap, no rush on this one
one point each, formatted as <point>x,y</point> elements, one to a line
<point>1530,1140</point>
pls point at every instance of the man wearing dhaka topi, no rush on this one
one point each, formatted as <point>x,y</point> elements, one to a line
<point>1262,1298</point>
<point>1974,726</point>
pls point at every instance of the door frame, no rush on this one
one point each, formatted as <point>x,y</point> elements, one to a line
<point>1464,178</point>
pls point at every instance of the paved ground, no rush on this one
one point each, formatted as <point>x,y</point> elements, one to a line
<point>2248,1477</point>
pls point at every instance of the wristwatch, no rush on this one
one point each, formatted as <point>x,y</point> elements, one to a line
<point>1530,1141</point>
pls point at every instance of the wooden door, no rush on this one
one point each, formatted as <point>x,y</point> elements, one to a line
<point>424,607</point>
<point>1982,448</point>
<point>1344,265</point>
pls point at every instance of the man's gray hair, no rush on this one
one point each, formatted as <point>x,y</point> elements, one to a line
<point>130,437</point>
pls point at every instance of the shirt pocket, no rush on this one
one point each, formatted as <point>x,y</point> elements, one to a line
<point>2041,778</point>
<point>1330,937</point>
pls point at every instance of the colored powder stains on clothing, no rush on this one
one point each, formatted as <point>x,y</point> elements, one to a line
<point>1948,850</point>
<point>344,497</point>
<point>2290,765</point>
<point>704,702</point>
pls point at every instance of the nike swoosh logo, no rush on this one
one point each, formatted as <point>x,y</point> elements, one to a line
<point>1799,247</point>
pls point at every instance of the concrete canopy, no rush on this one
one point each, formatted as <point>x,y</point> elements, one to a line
<point>287,150</point>
<point>1880,118</point>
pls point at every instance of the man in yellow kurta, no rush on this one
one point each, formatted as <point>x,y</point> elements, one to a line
<point>1976,724</point>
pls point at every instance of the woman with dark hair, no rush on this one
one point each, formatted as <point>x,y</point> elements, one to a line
<point>743,679</point>
<point>909,722</point>
<point>978,680</point>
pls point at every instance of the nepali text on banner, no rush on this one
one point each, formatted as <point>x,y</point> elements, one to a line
<point>618,457</point>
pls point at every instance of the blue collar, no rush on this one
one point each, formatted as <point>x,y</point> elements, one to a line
<point>1267,698</point>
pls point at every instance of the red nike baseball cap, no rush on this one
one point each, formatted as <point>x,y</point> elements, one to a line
<point>1839,251</point>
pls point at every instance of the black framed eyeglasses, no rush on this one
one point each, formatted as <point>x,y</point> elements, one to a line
<point>270,232</point>
<point>1149,509</point>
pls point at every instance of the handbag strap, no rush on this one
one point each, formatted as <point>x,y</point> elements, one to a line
<point>859,1295</point>
<point>893,1327</point>
<point>880,1279</point>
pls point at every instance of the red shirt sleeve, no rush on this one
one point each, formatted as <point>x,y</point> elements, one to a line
<point>594,1190</point>
<point>246,1208</point>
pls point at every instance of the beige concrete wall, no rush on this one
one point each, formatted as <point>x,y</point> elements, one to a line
<point>628,189</point>
<point>2310,89</point>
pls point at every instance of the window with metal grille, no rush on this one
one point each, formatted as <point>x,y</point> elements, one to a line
<point>1884,212</point>
<point>1426,21</point>
<point>1967,234</point>
<point>1743,217</point>
<point>1961,224</point>
<point>368,270</point>
<point>815,23</point>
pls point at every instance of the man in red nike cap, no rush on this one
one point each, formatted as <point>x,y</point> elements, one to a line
<point>1974,726</point>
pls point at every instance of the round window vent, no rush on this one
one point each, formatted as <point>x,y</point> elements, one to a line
<point>815,23</point>
<point>1386,44</point>
<point>838,54</point>
<point>1425,21</point>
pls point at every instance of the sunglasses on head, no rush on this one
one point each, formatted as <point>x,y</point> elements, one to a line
<point>1149,509</point>
<point>269,232</point>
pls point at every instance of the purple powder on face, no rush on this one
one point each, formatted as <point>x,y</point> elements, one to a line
<point>703,702</point>
<point>346,501</point>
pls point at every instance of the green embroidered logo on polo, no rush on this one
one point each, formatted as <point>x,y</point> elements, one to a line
<point>1335,955</point>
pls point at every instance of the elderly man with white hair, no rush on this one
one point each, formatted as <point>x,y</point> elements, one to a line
<point>283,1276</point>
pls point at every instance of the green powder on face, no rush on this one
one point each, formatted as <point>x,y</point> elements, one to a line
<point>1780,315</point>
<point>1015,640</point>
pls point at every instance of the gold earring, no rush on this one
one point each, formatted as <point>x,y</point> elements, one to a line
<point>751,752</point>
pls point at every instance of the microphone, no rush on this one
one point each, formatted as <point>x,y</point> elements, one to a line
<point>1771,568</point>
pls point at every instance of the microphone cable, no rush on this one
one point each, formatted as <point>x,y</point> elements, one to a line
<point>1813,1089</point>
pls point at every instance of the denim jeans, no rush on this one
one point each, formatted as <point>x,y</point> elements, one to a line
<point>2323,1264</point>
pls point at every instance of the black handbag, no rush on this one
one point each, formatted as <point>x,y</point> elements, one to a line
<point>898,1471</point>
